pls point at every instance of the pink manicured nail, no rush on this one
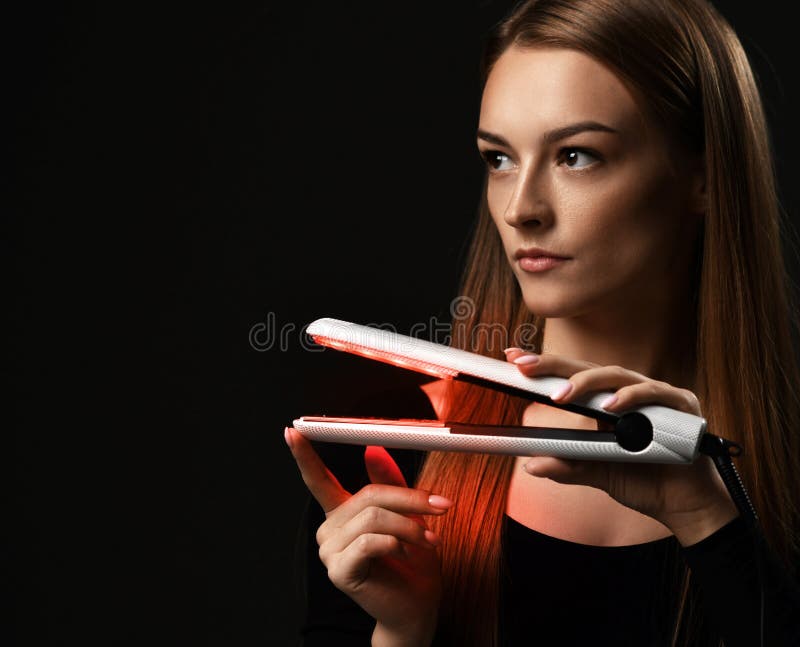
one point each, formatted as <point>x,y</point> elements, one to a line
<point>510,348</point>
<point>438,501</point>
<point>562,391</point>
<point>608,401</point>
<point>526,359</point>
<point>286,436</point>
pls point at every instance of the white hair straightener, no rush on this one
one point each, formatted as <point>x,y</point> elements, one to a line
<point>650,434</point>
<point>646,434</point>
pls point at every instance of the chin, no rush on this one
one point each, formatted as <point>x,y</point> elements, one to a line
<point>557,299</point>
<point>548,308</point>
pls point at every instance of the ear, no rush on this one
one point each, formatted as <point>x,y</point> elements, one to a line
<point>698,197</point>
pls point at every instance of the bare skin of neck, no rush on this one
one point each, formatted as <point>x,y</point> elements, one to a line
<point>579,513</point>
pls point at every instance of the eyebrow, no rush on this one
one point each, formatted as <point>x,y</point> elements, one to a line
<point>552,136</point>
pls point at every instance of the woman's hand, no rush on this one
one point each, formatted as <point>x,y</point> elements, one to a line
<point>691,500</point>
<point>375,545</point>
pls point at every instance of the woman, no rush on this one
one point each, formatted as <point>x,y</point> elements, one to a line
<point>627,141</point>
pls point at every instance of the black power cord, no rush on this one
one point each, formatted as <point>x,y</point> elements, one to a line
<point>721,452</point>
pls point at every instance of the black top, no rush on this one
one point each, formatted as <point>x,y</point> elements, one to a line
<point>561,593</point>
<point>584,592</point>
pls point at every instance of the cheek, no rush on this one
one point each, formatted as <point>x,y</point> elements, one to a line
<point>497,196</point>
<point>497,201</point>
<point>636,214</point>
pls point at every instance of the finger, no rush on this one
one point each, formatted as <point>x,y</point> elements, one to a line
<point>399,499</point>
<point>654,392</point>
<point>377,521</point>
<point>598,378</point>
<point>352,566</point>
<point>324,486</point>
<point>569,472</point>
<point>531,364</point>
<point>382,468</point>
<point>513,353</point>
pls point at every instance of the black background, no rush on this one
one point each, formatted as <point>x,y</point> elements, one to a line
<point>185,176</point>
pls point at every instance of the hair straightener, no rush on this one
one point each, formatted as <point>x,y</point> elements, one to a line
<point>646,434</point>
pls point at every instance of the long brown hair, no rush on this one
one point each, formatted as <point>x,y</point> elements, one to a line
<point>684,57</point>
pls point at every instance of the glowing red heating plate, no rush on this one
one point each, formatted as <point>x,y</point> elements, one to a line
<point>387,356</point>
<point>411,422</point>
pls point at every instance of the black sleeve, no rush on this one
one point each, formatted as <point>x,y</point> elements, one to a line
<point>331,618</point>
<point>725,568</point>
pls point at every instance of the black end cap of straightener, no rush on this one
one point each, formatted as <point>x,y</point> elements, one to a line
<point>634,431</point>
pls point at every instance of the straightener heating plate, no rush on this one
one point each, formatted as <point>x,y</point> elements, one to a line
<point>650,433</point>
<point>437,435</point>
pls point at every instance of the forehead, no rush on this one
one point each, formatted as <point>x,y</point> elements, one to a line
<point>538,87</point>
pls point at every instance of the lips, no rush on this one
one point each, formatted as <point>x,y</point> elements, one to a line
<point>537,252</point>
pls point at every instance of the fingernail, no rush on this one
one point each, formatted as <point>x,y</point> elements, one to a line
<point>439,501</point>
<point>432,538</point>
<point>560,393</point>
<point>608,401</point>
<point>529,467</point>
<point>510,348</point>
<point>527,359</point>
<point>286,436</point>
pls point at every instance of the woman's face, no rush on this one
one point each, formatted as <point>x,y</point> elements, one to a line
<point>576,168</point>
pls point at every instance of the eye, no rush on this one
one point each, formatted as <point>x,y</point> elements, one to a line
<point>576,157</point>
<point>493,159</point>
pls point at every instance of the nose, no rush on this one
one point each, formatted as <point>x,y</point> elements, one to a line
<point>529,203</point>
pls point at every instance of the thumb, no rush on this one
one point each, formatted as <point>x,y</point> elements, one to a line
<point>569,471</point>
<point>382,468</point>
